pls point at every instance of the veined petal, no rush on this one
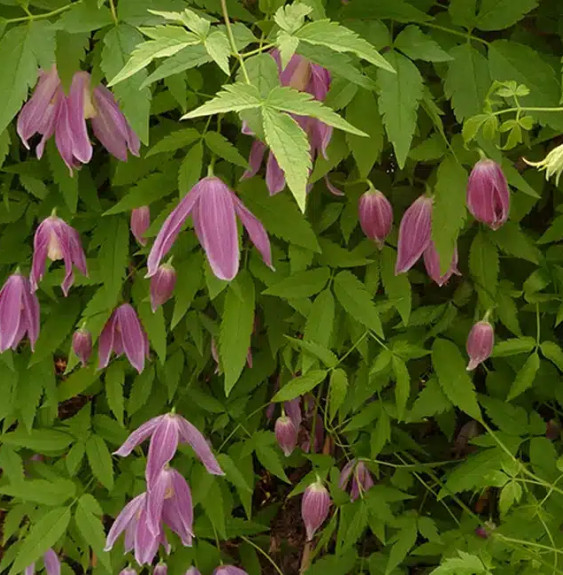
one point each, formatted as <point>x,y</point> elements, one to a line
<point>275,178</point>
<point>229,570</point>
<point>171,228</point>
<point>11,302</point>
<point>255,159</point>
<point>138,436</point>
<point>105,342</point>
<point>217,228</point>
<point>163,446</point>
<point>179,508</point>
<point>52,563</point>
<point>255,230</point>
<point>40,248</point>
<point>132,335</point>
<point>81,146</point>
<point>155,501</point>
<point>414,233</point>
<point>63,135</point>
<point>123,520</point>
<point>30,313</point>
<point>190,434</point>
<point>30,569</point>
<point>146,544</point>
<point>76,251</point>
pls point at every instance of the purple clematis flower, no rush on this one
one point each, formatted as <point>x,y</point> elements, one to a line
<point>82,345</point>
<point>229,570</point>
<point>166,432</point>
<point>56,240</point>
<point>480,343</point>
<point>214,208</point>
<point>160,569</point>
<point>140,222</point>
<point>414,233</point>
<point>315,506</point>
<point>51,561</point>
<point>51,112</point>
<point>193,571</point>
<point>361,478</point>
<point>432,264</point>
<point>19,313</point>
<point>162,285</point>
<point>123,333</point>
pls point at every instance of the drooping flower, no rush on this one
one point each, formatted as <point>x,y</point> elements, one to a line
<point>193,571</point>
<point>375,215</point>
<point>56,240</point>
<point>286,434</point>
<point>50,112</point>
<point>19,313</point>
<point>128,571</point>
<point>432,265</point>
<point>488,196</point>
<point>480,343</point>
<point>315,506</point>
<point>82,345</point>
<point>552,164</point>
<point>214,208</point>
<point>414,233</point>
<point>361,478</point>
<point>140,222</point>
<point>166,432</point>
<point>229,570</point>
<point>123,333</point>
<point>162,285</point>
<point>51,562</point>
<point>160,569</point>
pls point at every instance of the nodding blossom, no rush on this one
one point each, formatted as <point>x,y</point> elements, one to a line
<point>432,265</point>
<point>82,345</point>
<point>480,343</point>
<point>361,478</point>
<point>376,216</point>
<point>286,434</point>
<point>140,222</point>
<point>162,285</point>
<point>414,233</point>
<point>315,506</point>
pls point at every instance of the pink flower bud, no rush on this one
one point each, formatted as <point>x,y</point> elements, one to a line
<point>315,506</point>
<point>286,434</point>
<point>488,197</point>
<point>140,222</point>
<point>432,265</point>
<point>480,343</point>
<point>162,285</point>
<point>160,569</point>
<point>82,345</point>
<point>193,571</point>
<point>414,233</point>
<point>361,478</point>
<point>376,216</point>
<point>129,571</point>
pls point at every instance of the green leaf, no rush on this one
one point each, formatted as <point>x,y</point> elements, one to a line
<point>356,300</point>
<point>512,240</point>
<point>301,284</point>
<point>418,46</point>
<point>399,98</point>
<point>188,281</point>
<point>405,540</point>
<point>174,141</point>
<point>100,462</point>
<point>232,98</point>
<point>271,461</point>
<point>467,81</point>
<point>320,319</point>
<point>19,71</point>
<point>316,349</point>
<point>402,385</point>
<point>510,494</point>
<point>341,39</point>
<point>85,16</point>
<point>236,328</point>
<point>153,323</point>
<point>114,380</point>
<point>465,564</point>
<point>430,401</point>
<point>300,385</point>
<point>554,233</point>
<point>500,14</point>
<point>397,287</point>
<point>43,535</point>
<point>484,267</point>
<point>40,440</point>
<point>525,377</point>
<point>290,145</point>
<point>55,492</point>
<point>337,390</point>
<point>190,169</point>
<point>220,146</point>
<point>263,73</point>
<point>217,46</point>
<point>553,352</point>
<point>448,213</point>
<point>449,365</point>
<point>380,435</point>
<point>514,346</point>
<point>113,257</point>
<point>68,185</point>
<point>92,529</point>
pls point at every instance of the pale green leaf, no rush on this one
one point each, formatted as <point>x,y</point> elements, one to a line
<point>337,389</point>
<point>217,46</point>
<point>500,14</point>
<point>418,46</point>
<point>92,529</point>
<point>220,146</point>
<point>40,440</point>
<point>300,385</point>
<point>41,491</point>
<point>525,377</point>
<point>100,462</point>
<point>232,98</point>
<point>553,352</point>
<point>301,284</point>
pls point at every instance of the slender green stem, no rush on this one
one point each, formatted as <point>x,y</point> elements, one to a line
<point>538,324</point>
<point>529,543</point>
<point>418,465</point>
<point>31,16</point>
<point>264,554</point>
<point>528,109</point>
<point>455,32</point>
<point>232,41</point>
<point>257,51</point>
<point>113,11</point>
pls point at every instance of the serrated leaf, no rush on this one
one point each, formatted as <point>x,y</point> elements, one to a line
<point>553,352</point>
<point>512,240</point>
<point>220,146</point>
<point>232,98</point>
<point>449,365</point>
<point>525,377</point>
<point>289,144</point>
<point>100,462</point>
<point>380,435</point>
<point>510,494</point>
<point>263,73</point>
<point>55,492</point>
<point>84,17</point>
<point>300,284</point>
<point>174,141</point>
<point>316,349</point>
<point>402,385</point>
<point>92,529</point>
<point>217,46</point>
<point>465,564</point>
<point>188,282</point>
<point>236,328</point>
<point>43,535</point>
<point>337,389</point>
<point>405,540</point>
<point>514,346</point>
<point>271,461</point>
<point>418,46</point>
<point>113,257</point>
<point>484,266</point>
<point>300,385</point>
<point>356,300</point>
<point>190,169</point>
<point>399,98</point>
<point>40,440</point>
<point>501,14</point>
<point>397,287</point>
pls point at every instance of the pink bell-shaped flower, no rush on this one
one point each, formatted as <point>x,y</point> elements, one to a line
<point>414,233</point>
<point>480,342</point>
<point>488,196</point>
<point>315,506</point>
<point>82,345</point>
<point>286,434</point>
<point>140,222</point>
<point>56,240</point>
<point>376,216</point>
<point>432,264</point>
<point>162,285</point>
<point>361,478</point>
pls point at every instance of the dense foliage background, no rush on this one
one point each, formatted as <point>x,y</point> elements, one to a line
<point>466,465</point>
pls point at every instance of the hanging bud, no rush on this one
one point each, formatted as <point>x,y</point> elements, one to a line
<point>160,569</point>
<point>414,233</point>
<point>82,345</point>
<point>193,571</point>
<point>129,571</point>
<point>488,197</point>
<point>376,216</point>
<point>314,507</point>
<point>162,285</point>
<point>286,434</point>
<point>480,343</point>
<point>140,222</point>
<point>432,265</point>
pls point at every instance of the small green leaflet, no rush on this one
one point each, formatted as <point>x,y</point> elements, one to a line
<point>114,380</point>
<point>514,346</point>
<point>92,529</point>
<point>174,141</point>
<point>292,17</point>
<point>465,564</point>
<point>300,385</point>
<point>399,98</point>
<point>42,535</point>
<point>40,440</point>
<point>316,349</point>
<point>55,492</point>
<point>217,46</point>
<point>290,145</point>
<point>418,46</point>
<point>500,14</point>
<point>553,352</point>
<point>397,288</point>
<point>402,385</point>
<point>236,328</point>
<point>100,462</point>
<point>220,146</point>
<point>449,365</point>
<point>338,387</point>
<point>484,267</point>
<point>301,284</point>
<point>232,98</point>
<point>525,377</point>
<point>113,257</point>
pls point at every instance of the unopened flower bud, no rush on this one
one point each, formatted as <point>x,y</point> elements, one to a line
<point>315,506</point>
<point>414,233</point>
<point>480,343</point>
<point>162,285</point>
<point>160,569</point>
<point>286,434</point>
<point>82,345</point>
<point>376,216</point>
<point>193,571</point>
<point>432,265</point>
<point>488,197</point>
<point>140,222</point>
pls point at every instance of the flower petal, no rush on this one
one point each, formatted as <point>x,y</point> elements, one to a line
<point>81,146</point>
<point>155,501</point>
<point>132,336</point>
<point>190,434</point>
<point>138,436</point>
<point>163,446</point>
<point>123,520</point>
<point>40,248</point>
<point>106,341</point>
<point>275,178</point>
<point>11,302</point>
<point>31,314</point>
<point>52,563</point>
<point>255,159</point>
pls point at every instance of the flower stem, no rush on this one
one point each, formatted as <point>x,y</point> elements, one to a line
<point>232,41</point>
<point>455,32</point>
<point>113,11</point>
<point>31,16</point>
<point>528,109</point>
<point>264,554</point>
